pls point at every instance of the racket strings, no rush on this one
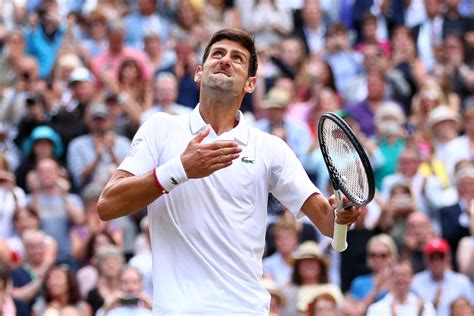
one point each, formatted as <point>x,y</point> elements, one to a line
<point>345,162</point>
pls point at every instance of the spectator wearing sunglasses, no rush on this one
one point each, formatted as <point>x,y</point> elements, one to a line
<point>438,284</point>
<point>369,288</point>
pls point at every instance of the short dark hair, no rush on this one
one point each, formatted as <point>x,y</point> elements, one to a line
<point>238,36</point>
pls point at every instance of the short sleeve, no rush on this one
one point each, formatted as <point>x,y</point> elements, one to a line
<point>289,183</point>
<point>144,149</point>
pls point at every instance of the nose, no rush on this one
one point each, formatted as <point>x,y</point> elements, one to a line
<point>225,60</point>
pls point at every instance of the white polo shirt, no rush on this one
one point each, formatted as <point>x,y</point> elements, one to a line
<point>208,234</point>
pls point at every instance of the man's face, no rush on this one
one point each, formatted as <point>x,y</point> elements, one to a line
<point>437,262</point>
<point>401,277</point>
<point>226,68</point>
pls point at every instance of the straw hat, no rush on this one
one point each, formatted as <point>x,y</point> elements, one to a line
<point>276,98</point>
<point>307,294</point>
<point>310,250</point>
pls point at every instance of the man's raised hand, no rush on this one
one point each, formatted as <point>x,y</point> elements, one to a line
<point>200,160</point>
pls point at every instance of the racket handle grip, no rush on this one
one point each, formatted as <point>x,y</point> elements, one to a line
<point>339,242</point>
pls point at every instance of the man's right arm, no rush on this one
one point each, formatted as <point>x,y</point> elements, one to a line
<point>126,193</point>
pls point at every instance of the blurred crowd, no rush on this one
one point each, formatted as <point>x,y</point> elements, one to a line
<point>78,77</point>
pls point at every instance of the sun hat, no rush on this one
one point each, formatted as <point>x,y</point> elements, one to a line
<point>44,132</point>
<point>309,250</point>
<point>442,113</point>
<point>276,98</point>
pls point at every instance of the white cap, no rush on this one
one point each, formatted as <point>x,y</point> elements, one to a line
<point>80,75</point>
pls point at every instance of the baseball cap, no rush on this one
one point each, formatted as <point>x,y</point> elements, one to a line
<point>99,111</point>
<point>80,74</point>
<point>437,245</point>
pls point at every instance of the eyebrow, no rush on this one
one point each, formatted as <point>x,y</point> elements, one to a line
<point>233,50</point>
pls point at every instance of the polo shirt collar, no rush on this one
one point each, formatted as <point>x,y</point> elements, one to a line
<point>240,133</point>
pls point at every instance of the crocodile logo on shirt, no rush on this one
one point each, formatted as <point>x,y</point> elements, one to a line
<point>246,160</point>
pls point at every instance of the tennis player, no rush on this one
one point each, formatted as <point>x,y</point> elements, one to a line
<point>205,179</point>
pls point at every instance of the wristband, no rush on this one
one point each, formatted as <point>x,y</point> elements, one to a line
<point>170,175</point>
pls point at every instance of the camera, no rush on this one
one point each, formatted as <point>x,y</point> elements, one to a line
<point>129,301</point>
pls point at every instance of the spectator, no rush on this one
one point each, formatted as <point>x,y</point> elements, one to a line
<point>389,140</point>
<point>13,52</point>
<point>295,133</point>
<point>465,251</point>
<point>418,232</point>
<point>43,142</point>
<point>310,277</point>
<point>12,197</point>
<point>219,14</point>
<point>324,304</point>
<point>91,157</point>
<point>88,273</point>
<point>277,266</point>
<point>7,305</point>
<point>313,29</point>
<point>395,211</point>
<point>455,218</point>
<point>188,20</point>
<point>278,300</point>
<point>68,119</point>
<point>27,219</point>
<point>131,300</point>
<point>81,233</point>
<point>95,41</point>
<point>364,111</point>
<point>160,56</point>
<point>369,288</point>
<point>133,94</point>
<point>44,40</point>
<point>27,83</point>
<point>166,93</point>
<point>142,260</point>
<point>399,300</point>
<point>60,289</point>
<point>407,171</point>
<point>37,113</point>
<point>369,35</point>
<point>58,209</point>
<point>142,21</point>
<point>438,284</point>
<point>461,307</point>
<point>184,69</point>
<point>8,149</point>
<point>346,63</point>
<point>106,65</point>
<point>270,22</point>
<point>28,278</point>
<point>110,263</point>
<point>429,34</point>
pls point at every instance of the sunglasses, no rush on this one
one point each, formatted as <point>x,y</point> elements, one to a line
<point>381,255</point>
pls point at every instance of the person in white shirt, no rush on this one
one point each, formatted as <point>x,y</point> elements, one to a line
<point>205,179</point>
<point>400,301</point>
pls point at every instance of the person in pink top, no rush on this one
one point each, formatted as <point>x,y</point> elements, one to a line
<point>107,64</point>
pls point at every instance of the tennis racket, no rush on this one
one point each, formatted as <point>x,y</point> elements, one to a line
<point>348,166</point>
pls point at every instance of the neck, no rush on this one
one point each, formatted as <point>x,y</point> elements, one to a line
<point>437,277</point>
<point>219,110</point>
<point>61,299</point>
<point>111,283</point>
<point>309,281</point>
<point>400,297</point>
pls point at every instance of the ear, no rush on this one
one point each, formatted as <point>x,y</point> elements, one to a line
<point>250,84</point>
<point>198,74</point>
